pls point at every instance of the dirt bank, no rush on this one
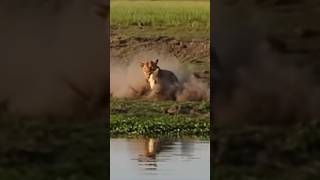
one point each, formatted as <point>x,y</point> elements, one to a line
<point>196,50</point>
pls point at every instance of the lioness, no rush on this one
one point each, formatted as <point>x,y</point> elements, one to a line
<point>162,83</point>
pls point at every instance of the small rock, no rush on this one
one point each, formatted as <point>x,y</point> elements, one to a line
<point>174,109</point>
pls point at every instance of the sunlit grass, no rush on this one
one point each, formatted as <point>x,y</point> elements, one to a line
<point>160,13</point>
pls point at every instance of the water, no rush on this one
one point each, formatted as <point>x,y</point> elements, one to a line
<point>159,159</point>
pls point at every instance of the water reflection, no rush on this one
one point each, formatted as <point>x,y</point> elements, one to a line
<point>160,158</point>
<point>152,147</point>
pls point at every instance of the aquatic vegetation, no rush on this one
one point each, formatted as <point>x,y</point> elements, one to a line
<point>141,117</point>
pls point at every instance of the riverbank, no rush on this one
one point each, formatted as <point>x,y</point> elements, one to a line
<point>176,31</point>
<point>159,118</point>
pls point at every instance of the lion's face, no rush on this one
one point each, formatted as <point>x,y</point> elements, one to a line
<point>149,67</point>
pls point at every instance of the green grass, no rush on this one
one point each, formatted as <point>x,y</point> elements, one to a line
<point>160,13</point>
<point>148,118</point>
<point>164,18</point>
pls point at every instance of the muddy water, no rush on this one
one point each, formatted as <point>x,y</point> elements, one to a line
<point>159,159</point>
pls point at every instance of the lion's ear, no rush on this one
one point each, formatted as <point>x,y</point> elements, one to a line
<point>141,64</point>
<point>157,61</point>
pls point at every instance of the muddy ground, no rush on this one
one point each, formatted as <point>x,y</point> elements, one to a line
<point>193,52</point>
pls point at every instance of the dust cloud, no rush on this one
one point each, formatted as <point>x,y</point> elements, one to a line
<point>260,79</point>
<point>194,90</point>
<point>127,79</point>
<point>53,56</point>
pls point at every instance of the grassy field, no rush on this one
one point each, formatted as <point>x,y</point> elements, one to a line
<point>166,18</point>
<point>160,13</point>
<point>148,118</point>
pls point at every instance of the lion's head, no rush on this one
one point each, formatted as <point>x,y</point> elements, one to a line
<point>149,67</point>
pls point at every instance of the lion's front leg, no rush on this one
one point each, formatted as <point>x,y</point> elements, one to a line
<point>155,93</point>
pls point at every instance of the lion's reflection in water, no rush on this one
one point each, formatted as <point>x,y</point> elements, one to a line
<point>159,158</point>
<point>158,150</point>
<point>148,158</point>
